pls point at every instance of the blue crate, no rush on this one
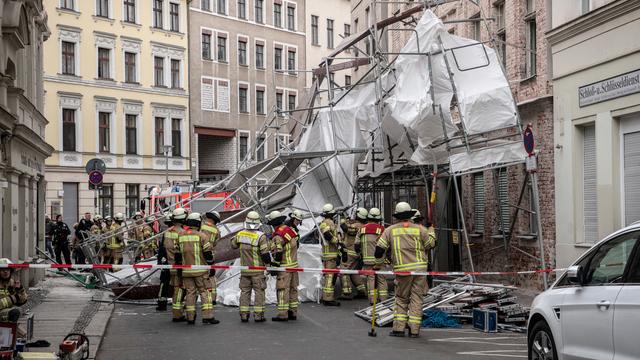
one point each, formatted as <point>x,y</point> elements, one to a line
<point>485,320</point>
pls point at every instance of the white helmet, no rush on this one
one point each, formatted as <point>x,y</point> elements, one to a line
<point>274,215</point>
<point>97,217</point>
<point>362,213</point>
<point>138,215</point>
<point>327,209</point>
<point>118,217</point>
<point>179,214</point>
<point>417,217</point>
<point>403,211</point>
<point>296,214</point>
<point>252,220</point>
<point>194,219</point>
<point>5,261</point>
<point>374,214</point>
<point>213,215</point>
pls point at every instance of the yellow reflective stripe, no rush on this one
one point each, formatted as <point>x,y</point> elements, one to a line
<point>382,242</point>
<point>406,231</point>
<point>411,266</point>
<point>248,234</point>
<point>419,252</point>
<point>396,250</point>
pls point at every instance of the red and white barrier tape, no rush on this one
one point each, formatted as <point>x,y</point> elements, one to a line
<point>276,269</point>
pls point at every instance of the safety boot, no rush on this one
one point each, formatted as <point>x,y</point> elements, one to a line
<point>259,317</point>
<point>162,305</point>
<point>331,303</point>
<point>414,335</point>
<point>180,319</point>
<point>244,318</point>
<point>212,321</point>
<point>397,333</point>
<point>293,315</point>
<point>279,319</point>
<point>192,322</point>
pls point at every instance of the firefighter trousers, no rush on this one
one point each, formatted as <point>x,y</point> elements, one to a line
<point>287,290</point>
<point>194,286</point>
<point>256,283</point>
<point>177,301</point>
<point>213,288</point>
<point>377,283</point>
<point>328,281</point>
<point>408,306</point>
<point>351,281</point>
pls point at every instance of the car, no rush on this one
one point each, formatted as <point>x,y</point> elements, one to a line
<point>592,311</point>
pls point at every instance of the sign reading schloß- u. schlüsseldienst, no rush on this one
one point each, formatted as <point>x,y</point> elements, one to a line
<point>617,86</point>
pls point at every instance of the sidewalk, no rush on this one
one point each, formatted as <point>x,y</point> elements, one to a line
<point>65,308</point>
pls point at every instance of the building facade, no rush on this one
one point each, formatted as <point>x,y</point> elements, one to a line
<point>596,80</point>
<point>23,149</point>
<point>245,67</point>
<point>116,85</point>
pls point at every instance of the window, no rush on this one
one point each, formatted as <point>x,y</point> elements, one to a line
<point>68,130</point>
<point>277,15</point>
<point>277,59</point>
<point>259,8</point>
<point>130,72</point>
<point>631,169</point>
<point>586,6</point>
<point>502,48</point>
<point>68,4</point>
<point>174,16</point>
<point>589,185</point>
<point>314,30</point>
<point>475,27</point>
<point>530,63</point>
<point>206,46</point>
<point>159,136</point>
<point>503,197</point>
<point>242,52</point>
<point>260,148</point>
<point>68,58</point>
<point>260,108</point>
<point>131,134</point>
<point>157,13</point>
<point>259,56</point>
<point>158,63</point>
<point>130,11</point>
<point>292,102</point>
<point>104,132</point>
<point>242,100</point>
<point>205,5</point>
<point>242,9</point>
<point>133,199</point>
<point>176,137</point>
<point>347,30</point>
<point>103,63</point>
<point>175,74</point>
<point>291,62</point>
<point>279,101</point>
<point>498,11</point>
<point>222,7</point>
<point>291,18</point>
<point>105,199</point>
<point>531,6</point>
<point>478,202</point>
<point>347,80</point>
<point>244,145</point>
<point>222,48</point>
<point>609,262</point>
<point>330,33</point>
<point>102,8</point>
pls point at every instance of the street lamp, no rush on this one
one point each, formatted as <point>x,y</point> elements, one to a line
<point>167,149</point>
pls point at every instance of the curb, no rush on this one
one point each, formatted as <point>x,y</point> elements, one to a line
<point>97,328</point>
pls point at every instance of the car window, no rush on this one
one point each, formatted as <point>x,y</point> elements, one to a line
<point>634,270</point>
<point>609,262</point>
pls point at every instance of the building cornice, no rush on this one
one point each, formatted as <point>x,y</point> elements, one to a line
<point>231,18</point>
<point>114,86</point>
<point>32,139</point>
<point>591,20</point>
<point>49,169</point>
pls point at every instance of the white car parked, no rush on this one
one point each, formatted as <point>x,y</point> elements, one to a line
<point>593,310</point>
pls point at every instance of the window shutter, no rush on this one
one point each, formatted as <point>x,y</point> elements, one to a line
<point>503,194</point>
<point>479,202</point>
<point>206,93</point>
<point>631,177</point>
<point>590,199</point>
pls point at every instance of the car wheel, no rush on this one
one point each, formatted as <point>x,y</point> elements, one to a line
<point>541,343</point>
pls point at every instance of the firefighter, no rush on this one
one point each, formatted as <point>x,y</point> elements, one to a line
<point>12,294</point>
<point>105,253</point>
<point>210,230</point>
<point>114,246</point>
<point>254,251</point>
<point>170,242</point>
<point>194,249</point>
<point>294,220</point>
<point>352,230</point>
<point>408,245</point>
<point>142,231</point>
<point>419,219</point>
<point>366,246</point>
<point>330,248</point>
<point>285,254</point>
<point>163,259</point>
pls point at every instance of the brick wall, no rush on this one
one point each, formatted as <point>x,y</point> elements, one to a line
<point>217,153</point>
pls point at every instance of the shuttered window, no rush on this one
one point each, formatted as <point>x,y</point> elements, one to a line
<point>631,177</point>
<point>590,199</point>
<point>478,202</point>
<point>503,196</point>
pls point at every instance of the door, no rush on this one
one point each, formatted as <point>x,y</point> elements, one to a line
<point>586,314</point>
<point>70,203</point>
<point>627,314</point>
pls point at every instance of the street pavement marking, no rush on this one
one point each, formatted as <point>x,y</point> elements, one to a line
<point>500,353</point>
<point>479,340</point>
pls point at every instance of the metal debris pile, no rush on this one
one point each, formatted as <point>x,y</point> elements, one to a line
<point>458,298</point>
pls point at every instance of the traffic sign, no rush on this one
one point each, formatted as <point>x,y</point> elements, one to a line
<point>95,178</point>
<point>529,141</point>
<point>95,164</point>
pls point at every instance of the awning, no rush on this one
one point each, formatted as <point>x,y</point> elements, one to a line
<point>226,133</point>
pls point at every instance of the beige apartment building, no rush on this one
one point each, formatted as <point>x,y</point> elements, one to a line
<point>596,80</point>
<point>116,85</point>
<point>244,66</point>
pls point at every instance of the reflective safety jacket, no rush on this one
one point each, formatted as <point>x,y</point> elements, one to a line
<point>211,232</point>
<point>408,244</point>
<point>368,239</point>
<point>115,239</point>
<point>351,236</point>
<point>141,232</point>
<point>252,244</point>
<point>285,241</point>
<point>11,296</point>
<point>329,247</point>
<point>169,243</point>
<point>192,245</point>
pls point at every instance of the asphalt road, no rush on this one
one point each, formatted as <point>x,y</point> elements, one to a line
<point>139,332</point>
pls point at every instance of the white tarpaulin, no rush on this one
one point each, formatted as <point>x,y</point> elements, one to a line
<point>505,154</point>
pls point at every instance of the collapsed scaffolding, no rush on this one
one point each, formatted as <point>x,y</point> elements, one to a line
<point>441,107</point>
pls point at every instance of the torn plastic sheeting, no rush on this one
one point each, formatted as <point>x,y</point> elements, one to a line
<point>478,159</point>
<point>308,256</point>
